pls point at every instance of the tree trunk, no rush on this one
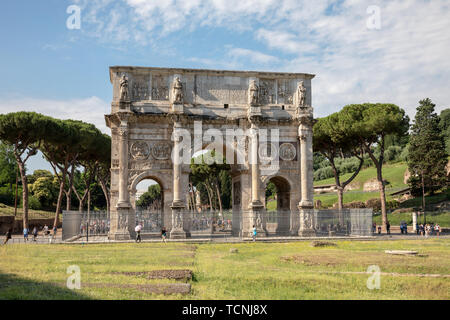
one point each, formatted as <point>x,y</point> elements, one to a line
<point>209,198</point>
<point>382,196</point>
<point>69,190</point>
<point>24,179</point>
<point>379,165</point>
<point>340,194</point>
<point>219,198</point>
<point>106,194</point>
<point>89,202</point>
<point>423,199</point>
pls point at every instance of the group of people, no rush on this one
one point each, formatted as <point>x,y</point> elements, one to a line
<point>34,233</point>
<point>422,229</point>
<point>428,229</point>
<point>375,228</point>
<point>139,228</point>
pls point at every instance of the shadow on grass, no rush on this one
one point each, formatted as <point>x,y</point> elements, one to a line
<point>13,287</point>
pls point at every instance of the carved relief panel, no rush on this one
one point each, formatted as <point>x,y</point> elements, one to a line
<point>140,150</point>
<point>266,91</point>
<point>160,87</point>
<point>285,91</point>
<point>161,150</point>
<point>140,88</point>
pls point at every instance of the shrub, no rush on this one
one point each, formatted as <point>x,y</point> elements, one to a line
<point>374,203</point>
<point>33,203</point>
<point>6,196</point>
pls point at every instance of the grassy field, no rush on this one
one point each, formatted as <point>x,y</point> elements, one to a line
<point>442,218</point>
<point>393,173</point>
<point>293,270</point>
<point>34,214</point>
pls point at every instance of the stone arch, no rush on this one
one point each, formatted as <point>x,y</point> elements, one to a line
<point>281,220</point>
<point>164,180</point>
<point>148,174</point>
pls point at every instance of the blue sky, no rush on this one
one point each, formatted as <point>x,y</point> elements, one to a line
<point>64,73</point>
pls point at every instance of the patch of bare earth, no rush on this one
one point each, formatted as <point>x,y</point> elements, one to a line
<point>393,265</point>
<point>158,288</point>
<point>311,260</point>
<point>161,274</point>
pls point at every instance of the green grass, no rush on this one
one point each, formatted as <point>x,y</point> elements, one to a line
<point>35,214</point>
<point>393,173</point>
<point>442,218</point>
<point>293,270</point>
<point>328,199</point>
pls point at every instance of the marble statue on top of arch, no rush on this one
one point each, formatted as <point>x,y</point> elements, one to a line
<point>253,93</point>
<point>177,91</point>
<point>301,95</point>
<point>123,88</point>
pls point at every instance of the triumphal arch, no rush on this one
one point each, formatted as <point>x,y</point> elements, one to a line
<point>261,121</point>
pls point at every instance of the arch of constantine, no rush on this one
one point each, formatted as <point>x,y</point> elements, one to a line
<point>261,121</point>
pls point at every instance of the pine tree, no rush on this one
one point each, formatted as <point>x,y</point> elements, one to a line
<point>427,155</point>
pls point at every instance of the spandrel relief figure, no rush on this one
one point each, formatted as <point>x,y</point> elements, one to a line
<point>124,89</point>
<point>177,91</point>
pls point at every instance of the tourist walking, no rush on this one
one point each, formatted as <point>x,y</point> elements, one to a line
<point>138,232</point>
<point>163,234</point>
<point>254,233</point>
<point>421,230</point>
<point>427,230</point>
<point>35,233</point>
<point>437,229</point>
<point>25,234</point>
<point>374,227</point>
<point>45,230</point>
<point>388,227</point>
<point>8,236</point>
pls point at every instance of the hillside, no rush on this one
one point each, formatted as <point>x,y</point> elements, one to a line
<point>393,173</point>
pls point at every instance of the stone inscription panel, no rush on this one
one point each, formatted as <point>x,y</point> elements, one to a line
<point>220,90</point>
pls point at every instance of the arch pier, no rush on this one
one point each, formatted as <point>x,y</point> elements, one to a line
<point>160,117</point>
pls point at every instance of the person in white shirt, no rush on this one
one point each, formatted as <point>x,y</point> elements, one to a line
<point>437,228</point>
<point>138,232</point>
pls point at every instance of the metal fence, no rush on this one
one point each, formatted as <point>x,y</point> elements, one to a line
<point>81,224</point>
<point>227,224</point>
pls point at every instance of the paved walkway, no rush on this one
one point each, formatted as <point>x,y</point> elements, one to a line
<point>16,239</point>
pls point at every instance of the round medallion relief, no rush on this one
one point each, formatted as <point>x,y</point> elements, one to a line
<point>287,152</point>
<point>267,152</point>
<point>140,150</point>
<point>161,151</point>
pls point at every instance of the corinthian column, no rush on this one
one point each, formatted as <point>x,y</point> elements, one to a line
<point>122,215</point>
<point>177,203</point>
<point>124,201</point>
<point>254,165</point>
<point>306,205</point>
<point>306,154</point>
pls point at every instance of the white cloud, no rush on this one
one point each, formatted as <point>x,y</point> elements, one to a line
<point>252,55</point>
<point>91,110</point>
<point>403,62</point>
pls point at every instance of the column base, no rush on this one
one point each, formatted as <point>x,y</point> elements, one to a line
<point>123,205</point>
<point>306,204</point>
<point>119,236</point>
<point>178,234</point>
<point>307,233</point>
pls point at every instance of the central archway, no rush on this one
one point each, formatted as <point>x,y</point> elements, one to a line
<point>278,205</point>
<point>148,201</point>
